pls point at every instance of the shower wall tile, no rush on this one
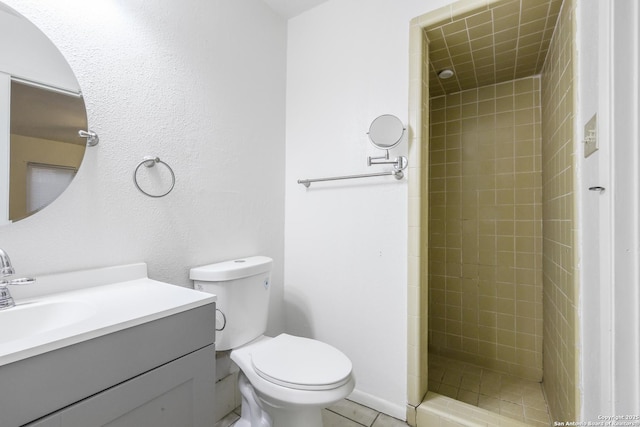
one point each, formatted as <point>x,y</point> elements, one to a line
<point>485,233</point>
<point>560,278</point>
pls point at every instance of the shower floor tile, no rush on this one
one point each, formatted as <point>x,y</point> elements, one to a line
<point>503,394</point>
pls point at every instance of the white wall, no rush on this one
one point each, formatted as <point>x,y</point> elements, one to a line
<point>593,208</point>
<point>28,54</point>
<point>346,242</point>
<point>625,213</point>
<point>608,52</point>
<point>200,84</point>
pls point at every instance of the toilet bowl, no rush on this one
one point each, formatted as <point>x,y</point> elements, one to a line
<point>294,378</point>
<point>284,381</point>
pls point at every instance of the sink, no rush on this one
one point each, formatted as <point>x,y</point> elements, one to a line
<point>42,316</point>
<point>84,305</point>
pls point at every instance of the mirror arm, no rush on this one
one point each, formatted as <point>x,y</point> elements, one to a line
<point>92,137</point>
<point>400,163</point>
<point>385,157</point>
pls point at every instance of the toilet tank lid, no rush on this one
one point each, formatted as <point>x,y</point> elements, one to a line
<point>230,270</point>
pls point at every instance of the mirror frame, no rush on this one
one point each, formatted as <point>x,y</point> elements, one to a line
<point>383,130</point>
<point>38,64</point>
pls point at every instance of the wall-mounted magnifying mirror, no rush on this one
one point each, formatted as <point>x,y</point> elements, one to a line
<point>386,131</point>
<point>41,112</point>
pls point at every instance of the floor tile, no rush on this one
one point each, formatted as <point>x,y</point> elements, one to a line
<point>468,397</point>
<point>345,413</point>
<point>470,383</point>
<point>489,403</point>
<point>494,391</point>
<point>227,421</point>
<point>511,396</point>
<point>354,411</point>
<point>452,378</point>
<point>489,388</point>
<point>387,421</point>
<point>331,419</point>
<point>536,415</point>
<point>512,410</point>
<point>448,390</point>
<point>534,399</point>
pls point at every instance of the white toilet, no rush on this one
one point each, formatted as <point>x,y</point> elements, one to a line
<point>284,381</point>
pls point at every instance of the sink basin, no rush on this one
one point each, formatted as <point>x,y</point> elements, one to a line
<point>84,305</point>
<point>41,316</point>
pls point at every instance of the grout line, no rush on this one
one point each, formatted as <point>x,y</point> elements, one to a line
<point>347,418</point>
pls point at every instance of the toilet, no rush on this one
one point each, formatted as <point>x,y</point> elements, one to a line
<point>284,381</point>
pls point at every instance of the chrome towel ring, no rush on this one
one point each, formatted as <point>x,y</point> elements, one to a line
<point>150,162</point>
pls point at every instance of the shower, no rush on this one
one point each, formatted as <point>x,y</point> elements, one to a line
<point>494,272</point>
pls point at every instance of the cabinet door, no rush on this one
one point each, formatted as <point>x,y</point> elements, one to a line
<point>178,394</point>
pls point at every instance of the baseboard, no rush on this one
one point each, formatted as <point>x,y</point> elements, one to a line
<point>380,405</point>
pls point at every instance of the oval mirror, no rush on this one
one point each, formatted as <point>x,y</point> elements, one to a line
<point>386,131</point>
<point>41,112</point>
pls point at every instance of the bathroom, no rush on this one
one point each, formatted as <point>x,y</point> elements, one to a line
<point>242,103</point>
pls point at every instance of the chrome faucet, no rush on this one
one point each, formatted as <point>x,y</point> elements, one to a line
<point>6,269</point>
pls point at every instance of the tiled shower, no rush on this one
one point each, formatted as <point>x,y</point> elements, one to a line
<point>485,227</point>
<point>496,194</point>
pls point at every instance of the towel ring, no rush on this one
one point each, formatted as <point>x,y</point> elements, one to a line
<point>150,162</point>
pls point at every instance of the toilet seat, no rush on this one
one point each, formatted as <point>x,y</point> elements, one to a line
<point>301,363</point>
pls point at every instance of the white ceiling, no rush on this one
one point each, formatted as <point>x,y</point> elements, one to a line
<point>291,8</point>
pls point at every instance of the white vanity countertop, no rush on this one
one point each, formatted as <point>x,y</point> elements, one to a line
<point>39,324</point>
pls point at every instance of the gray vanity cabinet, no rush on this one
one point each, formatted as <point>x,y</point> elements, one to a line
<point>156,374</point>
<point>174,395</point>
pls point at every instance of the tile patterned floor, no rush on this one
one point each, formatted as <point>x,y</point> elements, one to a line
<point>503,394</point>
<point>499,393</point>
<point>343,414</point>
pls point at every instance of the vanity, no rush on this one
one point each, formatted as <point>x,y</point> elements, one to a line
<point>110,347</point>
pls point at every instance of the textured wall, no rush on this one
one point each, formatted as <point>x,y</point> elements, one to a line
<point>560,278</point>
<point>485,227</point>
<point>346,242</point>
<point>29,54</point>
<point>179,81</point>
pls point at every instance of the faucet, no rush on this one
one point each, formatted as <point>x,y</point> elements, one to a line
<point>6,269</point>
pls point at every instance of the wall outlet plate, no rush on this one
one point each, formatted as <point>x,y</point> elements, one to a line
<point>591,136</point>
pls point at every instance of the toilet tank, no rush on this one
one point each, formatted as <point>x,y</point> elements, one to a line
<point>242,287</point>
